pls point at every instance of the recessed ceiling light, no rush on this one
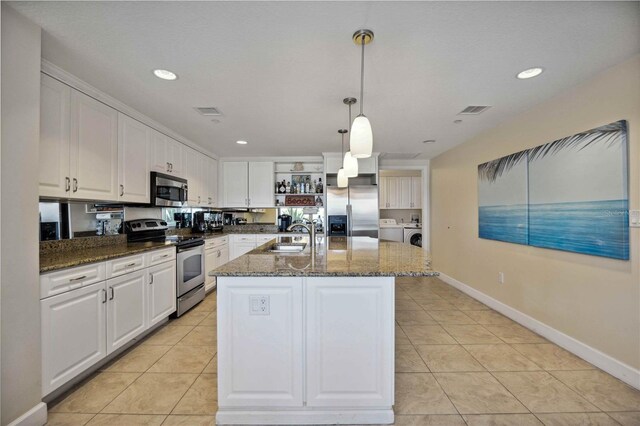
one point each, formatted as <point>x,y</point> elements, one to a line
<point>165,74</point>
<point>530,73</point>
<point>457,121</point>
<point>429,141</point>
<point>241,142</point>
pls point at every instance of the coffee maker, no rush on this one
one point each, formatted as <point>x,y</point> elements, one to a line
<point>204,221</point>
<point>183,220</point>
<point>284,221</point>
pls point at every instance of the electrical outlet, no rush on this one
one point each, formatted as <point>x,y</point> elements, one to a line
<point>501,277</point>
<point>634,218</point>
<point>259,305</point>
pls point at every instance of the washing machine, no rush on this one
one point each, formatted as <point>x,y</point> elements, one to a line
<point>413,235</point>
<point>390,230</point>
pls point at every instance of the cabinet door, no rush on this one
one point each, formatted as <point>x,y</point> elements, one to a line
<point>210,263</point>
<point>261,184</point>
<point>159,152</point>
<point>126,316</point>
<point>134,143</point>
<point>176,153</point>
<point>161,292</point>
<point>94,149</point>
<point>393,192</point>
<point>212,181</point>
<point>260,355</point>
<point>350,343</point>
<point>384,192</point>
<point>236,183</point>
<point>404,184</point>
<point>73,334</point>
<point>193,177</point>
<point>416,192</point>
<point>238,249</point>
<point>55,100</point>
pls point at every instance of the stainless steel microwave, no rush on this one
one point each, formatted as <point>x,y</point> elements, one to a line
<point>167,190</point>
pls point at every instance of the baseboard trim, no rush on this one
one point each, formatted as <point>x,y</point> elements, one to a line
<point>616,368</point>
<point>37,416</point>
<point>304,417</point>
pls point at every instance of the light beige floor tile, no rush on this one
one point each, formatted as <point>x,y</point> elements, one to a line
<point>126,420</point>
<point>551,357</point>
<point>207,305</point>
<point>152,393</point>
<point>414,318</point>
<point>471,305</point>
<point>451,317</point>
<point>575,419</point>
<point>168,335</point>
<point>427,335</point>
<point>501,420</point>
<point>401,337</point>
<point>419,393</point>
<point>180,420</point>
<point>441,358</point>
<point>478,393</point>
<point>408,360</point>
<point>201,398</point>
<point>402,295</point>
<point>601,389</point>
<point>422,294</point>
<point>627,418</point>
<point>429,420</point>
<point>407,305</point>
<point>190,318</point>
<point>95,394</point>
<point>201,336</point>
<point>471,334</point>
<point>184,359</point>
<point>68,419</point>
<point>435,305</point>
<point>489,317</point>
<point>501,357</point>
<point>540,392</point>
<point>138,360</point>
<point>210,321</point>
<point>515,333</point>
<point>212,367</point>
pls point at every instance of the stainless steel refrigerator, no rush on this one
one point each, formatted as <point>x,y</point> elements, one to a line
<point>360,204</point>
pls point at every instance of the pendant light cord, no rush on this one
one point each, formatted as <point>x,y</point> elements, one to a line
<point>362,77</point>
<point>348,127</point>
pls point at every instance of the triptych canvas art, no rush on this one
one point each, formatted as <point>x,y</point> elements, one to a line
<point>570,194</point>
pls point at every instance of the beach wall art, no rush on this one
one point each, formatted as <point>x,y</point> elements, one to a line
<point>570,194</point>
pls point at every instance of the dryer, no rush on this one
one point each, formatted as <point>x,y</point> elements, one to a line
<point>413,235</point>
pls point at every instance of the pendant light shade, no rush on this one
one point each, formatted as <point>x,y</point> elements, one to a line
<point>350,165</point>
<point>361,142</point>
<point>343,180</point>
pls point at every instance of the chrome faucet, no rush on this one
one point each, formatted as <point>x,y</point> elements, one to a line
<point>311,229</point>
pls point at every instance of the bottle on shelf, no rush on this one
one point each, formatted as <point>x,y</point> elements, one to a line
<point>312,190</point>
<point>318,202</point>
<point>302,188</point>
<point>283,187</point>
<point>288,188</point>
<point>319,188</point>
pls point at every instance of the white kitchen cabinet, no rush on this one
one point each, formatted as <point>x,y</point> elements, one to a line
<point>405,198</point>
<point>161,292</point>
<point>353,313</point>
<point>175,157</point>
<point>214,257</point>
<point>55,104</point>
<point>416,192</point>
<point>167,155</point>
<point>126,309</point>
<point>400,192</point>
<point>210,181</point>
<point>248,184</point>
<point>368,166</point>
<point>193,172</point>
<point>93,149</point>
<point>240,244</point>
<point>73,334</point>
<point>134,153</point>
<point>269,345</point>
<point>383,192</point>
<point>64,280</point>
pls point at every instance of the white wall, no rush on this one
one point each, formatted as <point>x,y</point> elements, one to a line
<point>20,310</point>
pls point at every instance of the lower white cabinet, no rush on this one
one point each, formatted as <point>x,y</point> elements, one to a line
<point>213,258</point>
<point>126,306</point>
<point>240,244</point>
<point>161,292</point>
<point>73,334</point>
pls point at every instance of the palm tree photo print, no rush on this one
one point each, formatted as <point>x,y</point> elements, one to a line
<point>570,194</point>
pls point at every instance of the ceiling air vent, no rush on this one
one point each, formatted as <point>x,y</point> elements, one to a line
<point>208,110</point>
<point>399,155</point>
<point>474,110</point>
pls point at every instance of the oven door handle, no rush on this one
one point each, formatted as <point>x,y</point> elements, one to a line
<point>192,248</point>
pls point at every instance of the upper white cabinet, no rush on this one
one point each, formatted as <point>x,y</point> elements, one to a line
<point>400,192</point>
<point>167,155</point>
<point>134,143</point>
<point>211,181</point>
<point>202,178</point>
<point>416,192</point>
<point>94,149</point>
<point>248,184</point>
<point>193,170</point>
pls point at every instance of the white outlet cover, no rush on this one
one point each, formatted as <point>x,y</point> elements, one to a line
<point>634,218</point>
<point>259,305</point>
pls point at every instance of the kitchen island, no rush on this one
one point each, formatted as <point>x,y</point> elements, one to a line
<point>307,337</point>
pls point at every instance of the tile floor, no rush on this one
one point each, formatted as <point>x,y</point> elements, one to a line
<point>457,363</point>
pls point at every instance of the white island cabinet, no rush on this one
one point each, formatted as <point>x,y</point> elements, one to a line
<point>307,337</point>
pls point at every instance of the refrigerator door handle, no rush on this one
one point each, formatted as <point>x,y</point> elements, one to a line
<point>349,221</point>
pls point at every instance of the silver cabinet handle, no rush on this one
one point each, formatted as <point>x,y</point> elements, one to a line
<point>198,199</point>
<point>168,168</point>
<point>166,255</point>
<point>219,254</point>
<point>130,264</point>
<point>77,278</point>
<point>113,293</point>
<point>67,184</point>
<point>104,296</point>
<point>150,279</point>
<point>75,185</point>
<point>121,190</point>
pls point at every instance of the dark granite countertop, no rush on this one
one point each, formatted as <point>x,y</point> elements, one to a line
<point>333,256</point>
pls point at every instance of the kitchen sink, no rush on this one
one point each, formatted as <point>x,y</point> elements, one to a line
<point>287,248</point>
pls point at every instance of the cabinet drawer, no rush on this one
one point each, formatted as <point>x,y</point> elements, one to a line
<point>159,256</point>
<point>261,239</point>
<point>124,265</point>
<point>244,238</point>
<point>59,282</point>
<point>216,242</point>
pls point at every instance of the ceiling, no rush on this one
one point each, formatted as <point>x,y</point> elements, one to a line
<point>278,71</point>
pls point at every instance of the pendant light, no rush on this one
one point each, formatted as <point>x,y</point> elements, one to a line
<point>343,180</point>
<point>349,163</point>
<point>361,133</point>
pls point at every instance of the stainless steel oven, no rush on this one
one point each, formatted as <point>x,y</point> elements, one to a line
<point>167,190</point>
<point>190,274</point>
